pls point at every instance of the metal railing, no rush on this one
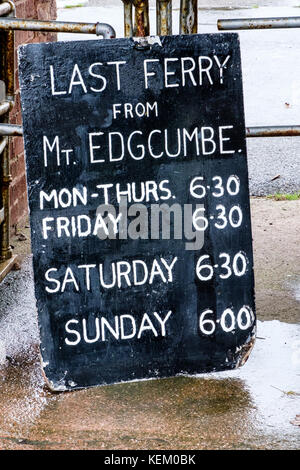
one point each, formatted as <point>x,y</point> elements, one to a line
<point>136,17</point>
<point>259,23</point>
<point>273,131</point>
<point>14,130</point>
<point>263,23</point>
<point>136,23</point>
<point>6,104</point>
<point>8,24</point>
<point>100,29</point>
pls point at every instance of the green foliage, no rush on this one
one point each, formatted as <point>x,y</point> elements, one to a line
<point>285,197</point>
<point>75,6</point>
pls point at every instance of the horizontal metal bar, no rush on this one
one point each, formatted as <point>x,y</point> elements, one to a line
<point>4,107</point>
<point>259,23</point>
<point>1,215</point>
<point>14,130</point>
<point>5,8</point>
<point>100,29</point>
<point>10,130</point>
<point>273,131</point>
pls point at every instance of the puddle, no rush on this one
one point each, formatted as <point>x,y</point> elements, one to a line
<point>251,407</point>
<point>297,292</point>
<point>293,286</point>
<point>246,408</point>
<point>272,375</point>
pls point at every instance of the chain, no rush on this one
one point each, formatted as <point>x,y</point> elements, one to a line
<point>190,18</point>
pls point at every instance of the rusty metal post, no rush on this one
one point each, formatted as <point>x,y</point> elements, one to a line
<point>273,131</point>
<point>6,251</point>
<point>141,15</point>
<point>14,130</point>
<point>163,17</point>
<point>128,26</point>
<point>188,16</point>
<point>10,67</point>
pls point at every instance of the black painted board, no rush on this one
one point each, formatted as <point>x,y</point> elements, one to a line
<point>165,123</point>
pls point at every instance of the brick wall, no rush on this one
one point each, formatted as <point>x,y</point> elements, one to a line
<point>40,10</point>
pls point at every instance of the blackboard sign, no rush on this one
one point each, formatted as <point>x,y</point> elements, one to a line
<point>139,207</point>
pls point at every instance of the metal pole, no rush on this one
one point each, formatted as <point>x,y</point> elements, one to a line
<point>100,29</point>
<point>141,24</point>
<point>128,26</point>
<point>188,16</point>
<point>6,251</point>
<point>11,130</point>
<point>5,8</point>
<point>273,131</point>
<point>259,23</point>
<point>14,130</point>
<point>164,17</point>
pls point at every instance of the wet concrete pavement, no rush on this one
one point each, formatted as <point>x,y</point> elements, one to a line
<point>248,408</point>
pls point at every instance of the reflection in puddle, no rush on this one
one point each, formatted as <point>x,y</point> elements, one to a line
<point>297,292</point>
<point>272,374</point>
<point>170,413</point>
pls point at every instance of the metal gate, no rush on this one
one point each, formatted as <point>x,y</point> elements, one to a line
<point>136,23</point>
<point>6,104</point>
<point>8,24</point>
